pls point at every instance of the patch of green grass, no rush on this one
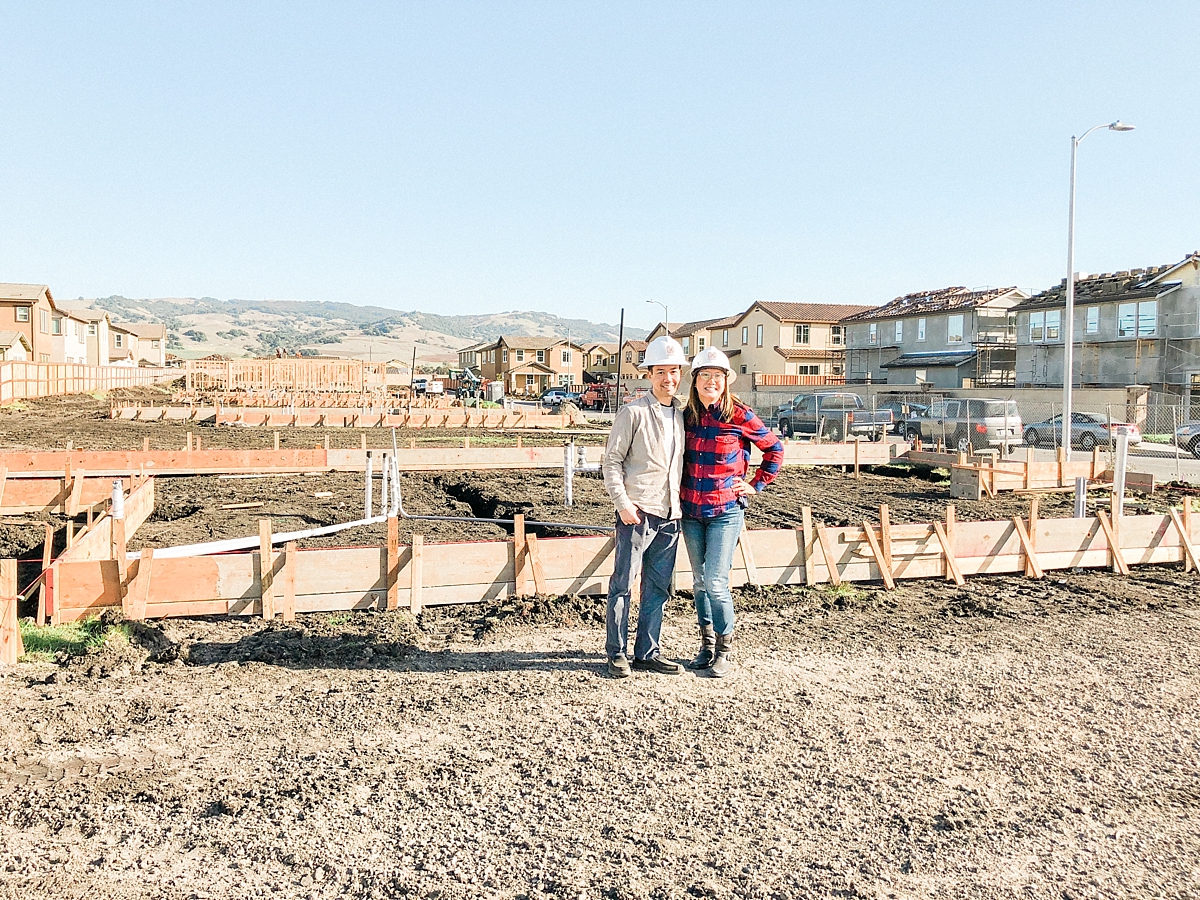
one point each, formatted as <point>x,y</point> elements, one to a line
<point>44,642</point>
<point>1159,438</point>
<point>338,619</point>
<point>846,592</point>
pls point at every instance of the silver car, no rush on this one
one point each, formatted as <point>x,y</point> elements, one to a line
<point>1188,438</point>
<point>967,423</point>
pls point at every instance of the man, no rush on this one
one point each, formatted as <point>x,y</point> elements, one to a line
<point>643,466</point>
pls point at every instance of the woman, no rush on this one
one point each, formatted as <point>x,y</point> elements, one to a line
<point>719,430</point>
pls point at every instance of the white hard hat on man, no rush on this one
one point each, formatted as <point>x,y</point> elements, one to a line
<point>712,358</point>
<point>664,351</point>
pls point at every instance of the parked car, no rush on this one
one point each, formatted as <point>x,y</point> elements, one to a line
<point>554,396</point>
<point>1188,438</point>
<point>967,423</point>
<point>1087,431</point>
<point>835,415</point>
<point>902,411</point>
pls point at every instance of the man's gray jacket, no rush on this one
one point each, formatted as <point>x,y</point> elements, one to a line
<point>637,470</point>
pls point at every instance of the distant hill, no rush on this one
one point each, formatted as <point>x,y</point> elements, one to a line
<point>236,328</point>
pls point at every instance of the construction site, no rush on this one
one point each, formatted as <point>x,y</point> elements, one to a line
<point>956,675</point>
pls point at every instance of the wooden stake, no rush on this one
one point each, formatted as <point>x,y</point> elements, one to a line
<point>197,443</point>
<point>137,594</point>
<point>47,558</point>
<point>277,440</point>
<point>535,563</point>
<point>11,646</point>
<point>810,545</point>
<point>118,547</point>
<point>70,533</point>
<point>265,569</point>
<point>1095,463</point>
<point>3,478</point>
<point>1032,566</point>
<point>393,563</point>
<point>1187,520</point>
<point>835,577</point>
<point>415,573</point>
<point>950,511</point>
<point>364,440</point>
<point>289,582</point>
<point>948,552</point>
<point>885,569</point>
<point>1114,545</point>
<point>412,443</point>
<point>1062,461</point>
<point>857,441</point>
<point>326,443</point>
<point>467,442</point>
<point>748,559</point>
<point>520,583</point>
<point>1033,523</point>
<point>885,534</point>
<point>1188,550</point>
<point>189,442</point>
<point>1028,468</point>
<point>145,445</point>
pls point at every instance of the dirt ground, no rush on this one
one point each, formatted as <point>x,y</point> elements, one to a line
<point>1011,738</point>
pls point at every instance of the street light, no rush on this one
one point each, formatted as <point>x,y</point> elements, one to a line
<point>666,315</point>
<point>1069,312</point>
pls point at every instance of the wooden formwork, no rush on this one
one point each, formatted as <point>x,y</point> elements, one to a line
<point>974,478</point>
<point>422,574</point>
<point>67,495</point>
<point>55,464</point>
<point>348,417</point>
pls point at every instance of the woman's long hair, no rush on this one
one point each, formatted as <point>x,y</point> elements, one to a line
<point>695,406</point>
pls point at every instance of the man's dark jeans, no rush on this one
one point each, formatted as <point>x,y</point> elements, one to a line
<point>648,547</point>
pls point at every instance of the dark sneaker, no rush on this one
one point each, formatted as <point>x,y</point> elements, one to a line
<point>618,667</point>
<point>659,665</point>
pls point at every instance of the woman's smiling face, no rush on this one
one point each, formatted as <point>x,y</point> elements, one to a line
<point>710,384</point>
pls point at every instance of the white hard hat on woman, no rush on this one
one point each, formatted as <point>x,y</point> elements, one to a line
<point>664,351</point>
<point>712,358</point>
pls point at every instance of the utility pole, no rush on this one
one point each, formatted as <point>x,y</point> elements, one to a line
<point>620,349</point>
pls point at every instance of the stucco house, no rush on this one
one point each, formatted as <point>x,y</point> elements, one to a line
<point>96,331</point>
<point>68,338</point>
<point>532,364</point>
<point>1133,327</point>
<point>151,349</point>
<point>787,343</point>
<point>952,337</point>
<point>29,309</point>
<point>14,346</point>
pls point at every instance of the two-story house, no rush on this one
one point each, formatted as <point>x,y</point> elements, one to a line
<point>151,349</point>
<point>1134,327</point>
<point>948,338</point>
<point>788,343</point>
<point>68,333</point>
<point>14,346</point>
<point>532,364</point>
<point>471,357</point>
<point>122,345</point>
<point>96,333</point>
<point>599,361</point>
<point>633,353</point>
<point>29,309</point>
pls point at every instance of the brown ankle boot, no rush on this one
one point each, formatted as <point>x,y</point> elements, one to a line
<point>708,646</point>
<point>722,665</point>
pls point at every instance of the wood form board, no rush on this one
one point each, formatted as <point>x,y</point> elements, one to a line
<point>96,542</point>
<point>355,578</point>
<point>48,494</point>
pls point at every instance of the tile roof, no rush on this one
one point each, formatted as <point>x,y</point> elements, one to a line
<point>688,328</point>
<point>9,338</point>
<point>475,348</point>
<point>533,342</point>
<point>1130,284</point>
<point>636,345</point>
<point>148,329</point>
<point>933,359</point>
<point>945,299</point>
<point>801,352</point>
<point>87,315</point>
<point>807,312</point>
<point>10,291</point>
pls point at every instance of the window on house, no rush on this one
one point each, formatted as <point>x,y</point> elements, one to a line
<point>954,329</point>
<point>837,336</point>
<point>743,370</point>
<point>641,356</point>
<point>699,344</point>
<point>43,357</point>
<point>541,356</point>
<point>802,334</point>
<point>1053,324</point>
<point>629,356</point>
<point>566,357</point>
<point>56,325</point>
<point>44,321</point>
<point>612,360</point>
<point>564,380</point>
<point>899,331</point>
<point>920,329</point>
<point>22,313</point>
<point>1093,320</point>
<point>920,375</point>
<point>91,329</point>
<point>745,335</point>
<point>724,337</point>
<point>839,369</point>
<point>504,355</point>
<point>687,346</point>
<point>154,345</point>
<point>1147,318</point>
<point>758,337</point>
<point>118,339</point>
<point>873,333</point>
<point>808,370</point>
<point>1037,324</point>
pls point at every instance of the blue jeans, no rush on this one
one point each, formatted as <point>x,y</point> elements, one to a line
<point>710,545</point>
<point>648,547</point>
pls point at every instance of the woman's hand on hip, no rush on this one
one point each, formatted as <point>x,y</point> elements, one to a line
<point>743,488</point>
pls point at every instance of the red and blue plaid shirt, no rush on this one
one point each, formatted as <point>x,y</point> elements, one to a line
<point>717,453</point>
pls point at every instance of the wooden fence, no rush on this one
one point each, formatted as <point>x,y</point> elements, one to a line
<point>21,380</point>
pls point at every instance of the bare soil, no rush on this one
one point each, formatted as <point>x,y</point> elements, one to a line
<point>1013,738</point>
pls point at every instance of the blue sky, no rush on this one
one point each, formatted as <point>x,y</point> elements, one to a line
<point>578,157</point>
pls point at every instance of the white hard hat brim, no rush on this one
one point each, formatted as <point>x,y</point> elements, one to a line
<point>730,375</point>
